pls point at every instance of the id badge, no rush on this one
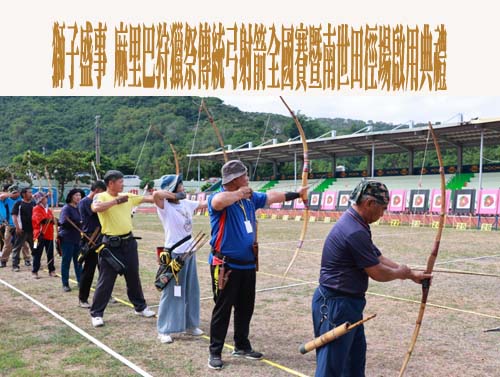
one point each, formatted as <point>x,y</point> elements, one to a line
<point>248,226</point>
<point>177,291</point>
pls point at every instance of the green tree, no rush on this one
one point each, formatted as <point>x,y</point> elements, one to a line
<point>63,165</point>
<point>5,176</point>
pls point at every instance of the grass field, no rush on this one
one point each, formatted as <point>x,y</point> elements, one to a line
<point>452,340</point>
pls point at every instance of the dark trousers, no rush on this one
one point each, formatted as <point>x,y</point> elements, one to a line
<point>87,276</point>
<point>70,252</point>
<point>48,245</point>
<point>346,356</point>
<point>20,239</point>
<point>127,253</point>
<point>239,293</point>
<point>2,235</point>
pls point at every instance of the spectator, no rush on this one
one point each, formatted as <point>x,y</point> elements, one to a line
<point>22,214</point>
<point>10,229</point>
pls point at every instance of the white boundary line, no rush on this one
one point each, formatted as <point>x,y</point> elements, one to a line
<point>80,331</point>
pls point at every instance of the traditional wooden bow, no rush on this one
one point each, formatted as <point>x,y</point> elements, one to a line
<point>47,176</point>
<point>216,129</point>
<point>176,159</point>
<point>305,176</point>
<point>432,257</point>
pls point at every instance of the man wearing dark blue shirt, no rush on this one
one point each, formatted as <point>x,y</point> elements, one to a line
<point>349,258</point>
<point>90,222</point>
<point>233,223</point>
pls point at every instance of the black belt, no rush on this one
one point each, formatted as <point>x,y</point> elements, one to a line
<point>123,236</point>
<point>227,259</point>
<point>178,243</point>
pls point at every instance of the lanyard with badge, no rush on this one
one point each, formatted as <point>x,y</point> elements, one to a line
<point>249,229</point>
<point>247,222</point>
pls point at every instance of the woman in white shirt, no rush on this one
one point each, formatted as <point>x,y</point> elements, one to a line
<point>179,309</point>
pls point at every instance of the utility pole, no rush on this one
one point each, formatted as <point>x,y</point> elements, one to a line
<point>97,141</point>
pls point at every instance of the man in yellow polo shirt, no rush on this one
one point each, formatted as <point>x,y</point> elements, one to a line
<point>114,211</point>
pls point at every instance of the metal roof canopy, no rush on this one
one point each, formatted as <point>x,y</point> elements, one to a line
<point>464,134</point>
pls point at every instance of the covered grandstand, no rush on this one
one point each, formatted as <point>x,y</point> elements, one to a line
<point>471,181</point>
<point>474,133</point>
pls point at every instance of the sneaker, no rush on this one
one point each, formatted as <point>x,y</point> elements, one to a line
<point>97,321</point>
<point>195,331</point>
<point>146,313</point>
<point>27,263</point>
<point>3,264</point>
<point>16,268</point>
<point>84,304</point>
<point>247,354</point>
<point>66,288</point>
<point>215,362</point>
<point>165,338</point>
<point>35,275</point>
<point>52,274</point>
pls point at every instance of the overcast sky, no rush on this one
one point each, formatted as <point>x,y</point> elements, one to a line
<point>396,109</point>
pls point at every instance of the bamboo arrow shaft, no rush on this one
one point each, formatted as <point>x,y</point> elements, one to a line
<point>458,272</point>
<point>331,335</point>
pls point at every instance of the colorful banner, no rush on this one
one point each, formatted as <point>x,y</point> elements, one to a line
<point>397,202</point>
<point>487,168</point>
